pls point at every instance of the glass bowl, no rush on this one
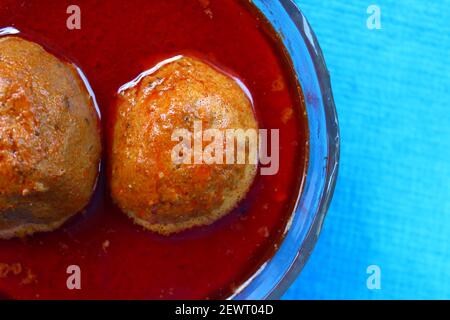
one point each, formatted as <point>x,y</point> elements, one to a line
<point>278,273</point>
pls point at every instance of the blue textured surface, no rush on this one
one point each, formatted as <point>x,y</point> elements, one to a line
<point>391,206</point>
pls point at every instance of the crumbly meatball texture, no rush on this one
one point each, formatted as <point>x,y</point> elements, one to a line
<point>157,193</point>
<point>49,140</point>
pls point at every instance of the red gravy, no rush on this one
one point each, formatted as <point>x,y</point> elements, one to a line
<point>119,260</point>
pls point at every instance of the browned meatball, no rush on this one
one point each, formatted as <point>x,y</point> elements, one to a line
<point>158,193</point>
<point>49,140</point>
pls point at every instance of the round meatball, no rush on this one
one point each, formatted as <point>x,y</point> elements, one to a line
<point>49,140</point>
<point>160,194</point>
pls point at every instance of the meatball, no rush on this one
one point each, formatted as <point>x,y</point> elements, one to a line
<point>49,140</point>
<point>157,193</point>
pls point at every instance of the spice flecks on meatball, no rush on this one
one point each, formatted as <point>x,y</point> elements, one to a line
<point>163,196</point>
<point>49,139</point>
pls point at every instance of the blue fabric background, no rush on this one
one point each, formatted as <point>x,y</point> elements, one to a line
<point>391,207</point>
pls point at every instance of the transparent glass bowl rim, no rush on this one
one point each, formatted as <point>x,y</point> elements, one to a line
<point>276,275</point>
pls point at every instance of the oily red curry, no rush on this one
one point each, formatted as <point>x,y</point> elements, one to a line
<point>119,260</point>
